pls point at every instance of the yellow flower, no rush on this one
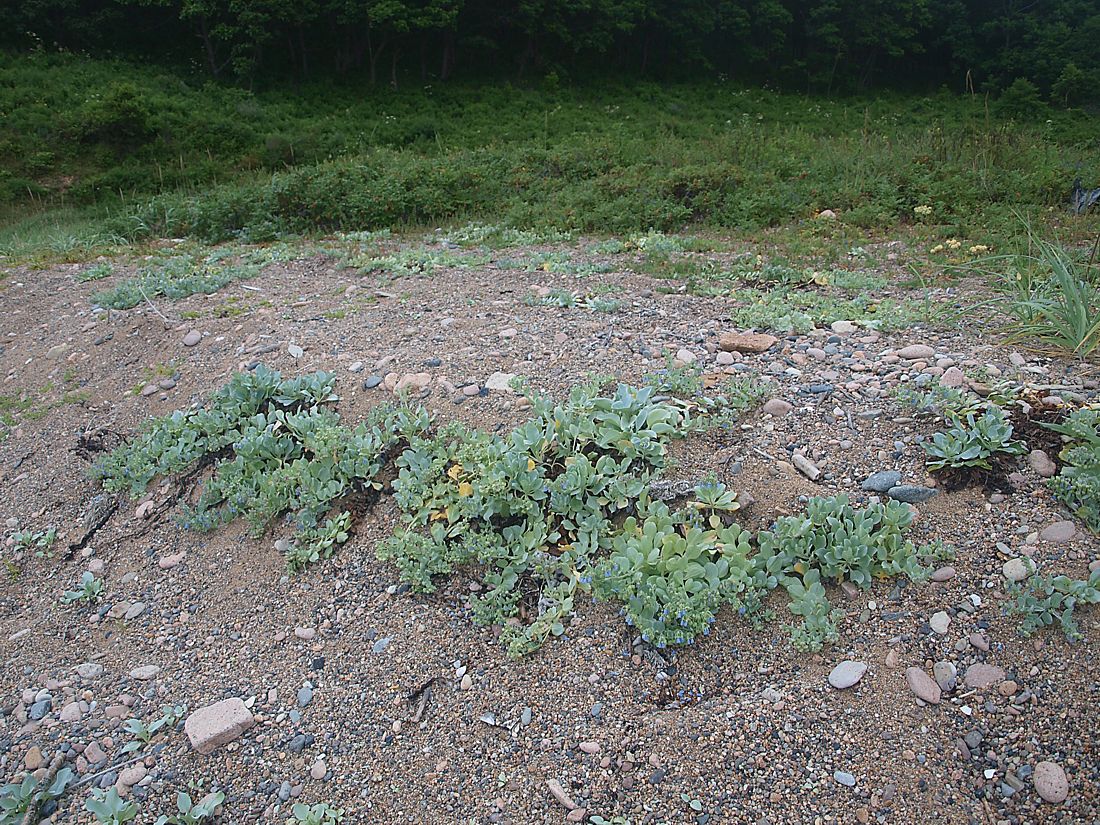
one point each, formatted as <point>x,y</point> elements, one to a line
<point>922,210</point>
<point>979,249</point>
<point>937,248</point>
<point>953,244</point>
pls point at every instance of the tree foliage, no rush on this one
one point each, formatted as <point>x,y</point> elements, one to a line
<point>816,45</point>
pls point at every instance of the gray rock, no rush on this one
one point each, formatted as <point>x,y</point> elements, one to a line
<point>372,381</point>
<point>381,644</point>
<point>89,670</point>
<point>915,352</point>
<point>777,407</point>
<point>911,493</point>
<point>939,622</point>
<point>943,574</point>
<point>946,675</point>
<point>806,467</point>
<point>1018,569</point>
<point>881,482</point>
<point>192,338</point>
<point>846,674</point>
<point>305,696</point>
<point>844,778</point>
<point>145,673</point>
<point>40,708</point>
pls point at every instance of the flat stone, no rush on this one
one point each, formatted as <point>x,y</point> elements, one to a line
<point>89,670</point>
<point>981,675</point>
<point>192,338</point>
<point>915,352</point>
<point>172,560</point>
<point>911,493</point>
<point>1050,782</point>
<point>845,778</point>
<point>145,673</point>
<point>939,622</point>
<point>132,775</point>
<point>922,685</point>
<point>416,381</point>
<point>777,407</point>
<point>218,724</point>
<point>953,377</point>
<point>1058,532</point>
<point>135,610</point>
<point>846,674</point>
<point>881,482</point>
<point>558,792</point>
<point>589,747</point>
<point>33,759</point>
<point>499,381</point>
<point>71,712</point>
<point>372,381</point>
<point>686,356</point>
<point>318,770</point>
<point>977,640</point>
<point>1040,462</point>
<point>842,327</point>
<point>746,341</point>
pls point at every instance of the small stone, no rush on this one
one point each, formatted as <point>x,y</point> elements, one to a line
<point>843,327</point>
<point>372,381</point>
<point>746,341</point>
<point>89,670</point>
<point>1050,782</point>
<point>306,634</point>
<point>881,482</point>
<point>33,759</point>
<point>192,338</point>
<point>218,724</point>
<point>170,561</point>
<point>589,747</point>
<point>923,686</point>
<point>1058,532</point>
<point>946,675</point>
<point>295,351</point>
<point>466,683</point>
<point>318,770</point>
<point>981,675</point>
<point>559,794</point>
<point>415,381</point>
<point>826,215</point>
<point>911,493</point>
<point>686,356</point>
<point>939,622</point>
<point>844,778</point>
<point>915,352</point>
<point>132,775</point>
<point>355,366</point>
<point>305,696</point>
<point>1018,569</point>
<point>1040,462</point>
<point>777,407</point>
<point>135,610</point>
<point>846,674</point>
<point>943,574</point>
<point>71,712</point>
<point>953,377</point>
<point>40,708</point>
<point>145,673</point>
<point>977,640</point>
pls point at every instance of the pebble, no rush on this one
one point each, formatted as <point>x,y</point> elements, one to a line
<point>1058,532</point>
<point>846,674</point>
<point>844,778</point>
<point>192,338</point>
<point>132,775</point>
<point>981,676</point>
<point>923,686</point>
<point>89,670</point>
<point>777,407</point>
<point>881,482</point>
<point>746,341</point>
<point>911,493</point>
<point>946,675</point>
<point>1018,569</point>
<point>145,673</point>
<point>1041,463</point>
<point>806,467</point>
<point>372,381</point>
<point>172,560</point>
<point>943,574</point>
<point>685,356</point>
<point>499,381</point>
<point>318,770</point>
<point>939,622</point>
<point>33,759</point>
<point>305,696</point>
<point>914,352</point>
<point>589,747</point>
<point>1050,782</point>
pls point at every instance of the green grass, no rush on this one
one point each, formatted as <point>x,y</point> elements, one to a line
<point>216,162</point>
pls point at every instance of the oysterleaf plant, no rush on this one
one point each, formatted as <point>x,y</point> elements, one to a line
<point>556,509</point>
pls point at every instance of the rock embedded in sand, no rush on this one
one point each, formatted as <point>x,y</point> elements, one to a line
<point>923,686</point>
<point>212,726</point>
<point>746,341</point>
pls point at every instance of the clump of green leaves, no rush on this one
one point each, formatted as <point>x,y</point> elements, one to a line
<point>90,589</point>
<point>672,571</point>
<point>1044,600</point>
<point>95,272</point>
<point>533,508</point>
<point>833,540</point>
<point>948,403</point>
<point>973,442</point>
<point>178,275</point>
<point>41,540</point>
<point>109,808</point>
<point>17,798</point>
<point>192,813</point>
<point>274,450</point>
<point>1077,484</point>
<point>319,814</point>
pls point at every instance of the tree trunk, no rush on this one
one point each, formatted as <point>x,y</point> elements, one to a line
<point>302,51</point>
<point>447,62</point>
<point>394,54</point>
<point>207,45</point>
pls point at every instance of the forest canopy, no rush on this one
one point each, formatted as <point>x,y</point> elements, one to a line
<point>803,45</point>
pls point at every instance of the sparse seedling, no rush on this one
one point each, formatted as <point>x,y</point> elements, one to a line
<point>1046,600</point>
<point>109,808</point>
<point>18,798</point>
<point>95,272</point>
<point>319,814</point>
<point>192,813</point>
<point>91,588</point>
